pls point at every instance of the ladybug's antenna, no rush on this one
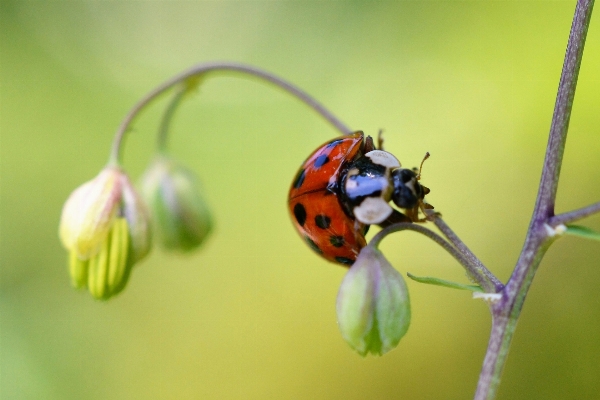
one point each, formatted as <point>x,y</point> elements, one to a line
<point>421,166</point>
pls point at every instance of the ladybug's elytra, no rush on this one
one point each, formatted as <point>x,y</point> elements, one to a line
<point>345,186</point>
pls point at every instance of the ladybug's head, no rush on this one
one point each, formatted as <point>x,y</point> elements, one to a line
<point>374,179</point>
<point>366,187</point>
<point>407,190</point>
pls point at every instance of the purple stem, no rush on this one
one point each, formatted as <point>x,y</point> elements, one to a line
<point>492,284</point>
<point>201,70</point>
<point>574,215</point>
<point>472,269</point>
<point>505,312</point>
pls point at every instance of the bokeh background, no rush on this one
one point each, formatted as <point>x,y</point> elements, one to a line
<point>252,315</point>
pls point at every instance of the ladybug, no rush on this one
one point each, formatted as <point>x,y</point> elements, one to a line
<point>345,186</point>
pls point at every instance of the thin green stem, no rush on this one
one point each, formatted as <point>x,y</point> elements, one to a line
<point>505,313</point>
<point>200,71</point>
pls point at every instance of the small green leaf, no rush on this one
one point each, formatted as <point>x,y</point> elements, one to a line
<point>582,231</point>
<point>442,282</point>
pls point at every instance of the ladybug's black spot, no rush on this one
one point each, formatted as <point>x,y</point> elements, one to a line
<point>335,143</point>
<point>344,260</point>
<point>313,245</point>
<point>300,214</point>
<point>321,160</point>
<point>299,179</point>
<point>322,221</point>
<point>336,241</point>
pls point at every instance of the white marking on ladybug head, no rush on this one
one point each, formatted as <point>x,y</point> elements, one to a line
<point>383,158</point>
<point>411,185</point>
<point>372,210</point>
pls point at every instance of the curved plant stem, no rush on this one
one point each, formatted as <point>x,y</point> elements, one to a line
<point>472,269</point>
<point>505,312</point>
<point>165,124</point>
<point>200,71</point>
<point>493,284</point>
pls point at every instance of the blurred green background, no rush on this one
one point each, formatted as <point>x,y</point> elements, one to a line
<point>252,315</point>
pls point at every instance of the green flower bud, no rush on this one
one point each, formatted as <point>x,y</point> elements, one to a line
<point>105,227</point>
<point>181,217</point>
<point>373,307</point>
<point>135,211</point>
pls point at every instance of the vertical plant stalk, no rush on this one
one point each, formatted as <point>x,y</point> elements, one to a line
<point>540,235</point>
<point>200,71</point>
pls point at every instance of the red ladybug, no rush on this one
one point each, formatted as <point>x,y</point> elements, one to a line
<point>343,187</point>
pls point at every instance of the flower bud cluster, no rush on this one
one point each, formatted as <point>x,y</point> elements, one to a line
<point>106,225</point>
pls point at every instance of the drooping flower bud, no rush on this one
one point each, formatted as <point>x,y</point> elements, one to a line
<point>89,213</point>
<point>373,307</point>
<point>105,227</point>
<point>181,217</point>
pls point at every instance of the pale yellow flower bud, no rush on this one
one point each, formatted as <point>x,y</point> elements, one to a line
<point>105,227</point>
<point>89,213</point>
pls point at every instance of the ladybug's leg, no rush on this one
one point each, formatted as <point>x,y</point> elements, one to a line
<point>426,206</point>
<point>413,214</point>
<point>369,145</point>
<point>380,139</point>
<point>395,218</point>
<point>422,205</point>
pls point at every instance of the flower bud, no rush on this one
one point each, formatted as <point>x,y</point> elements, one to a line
<point>181,217</point>
<point>373,307</point>
<point>135,211</point>
<point>105,227</point>
<point>89,213</point>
